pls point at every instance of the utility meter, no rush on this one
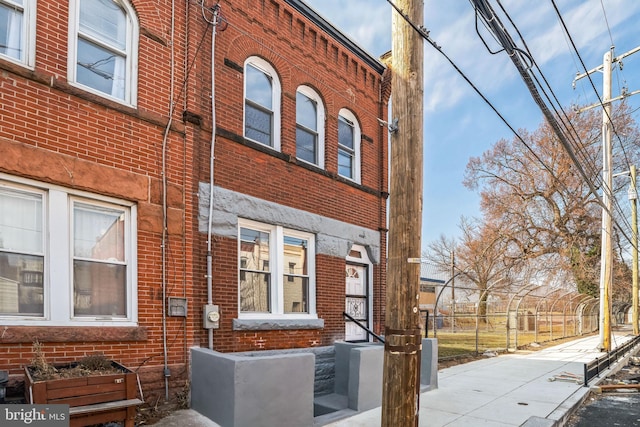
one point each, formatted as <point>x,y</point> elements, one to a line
<point>211,316</point>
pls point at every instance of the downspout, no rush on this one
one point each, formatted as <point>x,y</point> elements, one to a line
<point>167,372</point>
<point>382,209</point>
<point>216,10</point>
<point>381,217</point>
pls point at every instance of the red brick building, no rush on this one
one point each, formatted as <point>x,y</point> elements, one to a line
<point>107,218</point>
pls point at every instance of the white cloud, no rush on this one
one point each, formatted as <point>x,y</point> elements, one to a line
<point>366,22</point>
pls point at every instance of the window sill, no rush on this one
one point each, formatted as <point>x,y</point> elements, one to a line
<point>28,334</point>
<point>276,324</point>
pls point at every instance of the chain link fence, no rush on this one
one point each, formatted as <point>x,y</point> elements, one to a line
<point>509,321</point>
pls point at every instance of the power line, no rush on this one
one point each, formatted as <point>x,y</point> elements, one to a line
<point>425,35</point>
<point>516,55</point>
<point>604,12</point>
<point>561,19</point>
<point>561,115</point>
<point>579,147</point>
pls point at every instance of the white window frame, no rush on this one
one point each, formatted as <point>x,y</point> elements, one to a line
<point>28,33</point>
<point>57,210</point>
<point>320,123</point>
<point>278,270</point>
<point>357,135</point>
<point>130,52</point>
<point>276,91</point>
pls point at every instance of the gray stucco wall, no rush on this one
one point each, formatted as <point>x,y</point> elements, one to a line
<point>429,364</point>
<point>324,364</point>
<point>359,374</point>
<point>253,391</point>
<point>365,378</point>
<point>334,238</point>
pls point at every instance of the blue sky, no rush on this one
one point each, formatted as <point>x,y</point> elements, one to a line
<point>458,124</point>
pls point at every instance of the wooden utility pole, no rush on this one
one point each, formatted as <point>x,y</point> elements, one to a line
<point>403,339</point>
<point>633,197</point>
<point>453,291</point>
<point>606,257</point>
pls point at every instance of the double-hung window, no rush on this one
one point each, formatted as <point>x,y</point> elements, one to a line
<point>276,271</point>
<point>348,146</point>
<point>309,126</point>
<point>65,257</point>
<point>17,31</point>
<point>261,103</point>
<point>103,41</point>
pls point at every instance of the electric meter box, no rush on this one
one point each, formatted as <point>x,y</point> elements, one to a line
<point>211,316</point>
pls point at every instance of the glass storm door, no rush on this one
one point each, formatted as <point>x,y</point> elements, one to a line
<point>356,302</point>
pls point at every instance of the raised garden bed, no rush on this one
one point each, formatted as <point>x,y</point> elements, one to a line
<point>93,398</point>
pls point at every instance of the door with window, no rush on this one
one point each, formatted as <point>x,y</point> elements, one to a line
<point>356,301</point>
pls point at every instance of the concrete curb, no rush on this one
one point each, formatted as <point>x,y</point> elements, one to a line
<point>564,411</point>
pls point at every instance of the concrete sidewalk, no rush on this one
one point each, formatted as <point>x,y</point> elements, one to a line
<point>508,390</point>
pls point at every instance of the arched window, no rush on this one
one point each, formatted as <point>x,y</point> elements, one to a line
<point>309,126</point>
<point>261,103</point>
<point>348,146</point>
<point>103,48</point>
<point>17,31</point>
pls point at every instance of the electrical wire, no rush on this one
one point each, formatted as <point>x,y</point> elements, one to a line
<point>566,121</point>
<point>561,19</point>
<point>425,34</point>
<point>558,111</point>
<point>566,30</point>
<point>505,40</point>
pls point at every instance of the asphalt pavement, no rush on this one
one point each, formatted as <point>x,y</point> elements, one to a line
<point>526,388</point>
<point>598,412</point>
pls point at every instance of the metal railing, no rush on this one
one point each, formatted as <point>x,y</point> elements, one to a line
<point>367,330</point>
<point>598,365</point>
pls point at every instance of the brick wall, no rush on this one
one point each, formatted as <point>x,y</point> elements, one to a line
<point>54,132</point>
<point>301,54</point>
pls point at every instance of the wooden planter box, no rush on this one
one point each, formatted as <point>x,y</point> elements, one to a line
<point>93,399</point>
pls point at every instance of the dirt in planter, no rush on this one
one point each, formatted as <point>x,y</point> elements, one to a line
<point>42,370</point>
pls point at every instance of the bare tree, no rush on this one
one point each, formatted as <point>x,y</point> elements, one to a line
<point>541,201</point>
<point>479,259</point>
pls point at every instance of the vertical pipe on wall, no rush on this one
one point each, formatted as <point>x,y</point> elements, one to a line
<point>211,161</point>
<point>166,371</point>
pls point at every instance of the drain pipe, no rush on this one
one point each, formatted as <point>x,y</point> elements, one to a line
<point>166,371</point>
<point>216,10</point>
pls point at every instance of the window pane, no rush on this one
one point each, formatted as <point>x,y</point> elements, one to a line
<point>345,133</point>
<point>258,87</point>
<point>306,145</point>
<point>296,284</point>
<point>295,254</point>
<point>100,289</point>
<point>104,20</point>
<point>11,22</point>
<point>255,292</point>
<point>296,294</point>
<point>255,278</point>
<point>306,111</point>
<point>21,284</point>
<point>98,234</point>
<point>257,124</point>
<point>254,250</point>
<point>101,69</point>
<point>21,222</point>
<point>345,163</point>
